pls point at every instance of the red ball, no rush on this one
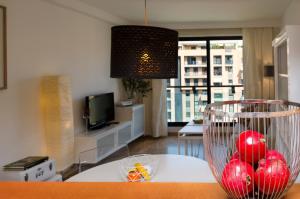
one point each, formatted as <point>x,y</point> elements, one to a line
<point>251,146</point>
<point>272,177</point>
<point>235,156</point>
<point>238,178</point>
<point>272,155</point>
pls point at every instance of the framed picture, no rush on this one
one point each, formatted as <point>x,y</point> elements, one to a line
<point>3,61</point>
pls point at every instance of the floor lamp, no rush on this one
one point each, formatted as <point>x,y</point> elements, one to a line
<point>58,119</point>
<point>269,73</point>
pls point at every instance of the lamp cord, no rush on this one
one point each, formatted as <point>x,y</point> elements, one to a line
<point>145,14</point>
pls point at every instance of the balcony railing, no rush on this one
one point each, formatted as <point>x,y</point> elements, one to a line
<point>195,74</point>
<point>195,63</point>
<point>229,62</point>
<point>199,97</point>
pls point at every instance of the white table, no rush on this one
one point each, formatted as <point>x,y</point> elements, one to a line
<point>172,168</point>
<point>189,132</point>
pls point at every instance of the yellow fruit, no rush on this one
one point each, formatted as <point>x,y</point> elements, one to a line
<point>143,171</point>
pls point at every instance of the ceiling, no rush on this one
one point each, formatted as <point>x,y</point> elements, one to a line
<point>193,11</point>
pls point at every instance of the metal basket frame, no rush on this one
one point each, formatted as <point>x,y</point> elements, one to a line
<point>277,120</point>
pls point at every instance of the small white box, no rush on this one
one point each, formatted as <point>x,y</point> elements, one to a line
<point>56,178</point>
<point>39,172</point>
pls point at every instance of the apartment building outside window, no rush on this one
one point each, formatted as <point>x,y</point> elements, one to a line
<point>187,82</point>
<point>218,97</point>
<point>169,105</point>
<point>168,94</point>
<point>203,59</point>
<point>191,60</point>
<point>196,81</point>
<point>228,59</point>
<point>210,69</point>
<point>217,59</point>
<point>229,69</point>
<point>218,71</point>
<point>217,83</point>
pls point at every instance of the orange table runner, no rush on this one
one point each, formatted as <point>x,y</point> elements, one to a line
<point>70,190</point>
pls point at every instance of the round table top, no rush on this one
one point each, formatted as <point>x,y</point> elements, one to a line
<point>172,168</point>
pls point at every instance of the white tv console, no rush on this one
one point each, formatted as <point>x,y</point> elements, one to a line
<point>96,145</point>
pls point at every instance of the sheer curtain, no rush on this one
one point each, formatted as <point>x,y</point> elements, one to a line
<point>156,110</point>
<point>159,109</point>
<point>257,53</point>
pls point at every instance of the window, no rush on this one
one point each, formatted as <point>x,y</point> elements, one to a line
<point>187,82</point>
<point>169,105</point>
<point>187,71</point>
<point>168,82</point>
<point>218,96</point>
<point>187,94</point>
<point>203,60</point>
<point>217,83</point>
<point>188,104</point>
<point>169,94</point>
<point>169,116</point>
<point>196,82</point>
<point>191,60</point>
<point>228,59</point>
<point>229,69</point>
<point>188,114</point>
<point>196,97</point>
<point>193,47</point>
<point>218,59</point>
<point>210,80</point>
<point>217,71</point>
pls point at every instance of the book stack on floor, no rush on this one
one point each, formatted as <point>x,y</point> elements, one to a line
<point>33,168</point>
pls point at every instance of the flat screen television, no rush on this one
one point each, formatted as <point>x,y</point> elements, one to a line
<point>100,110</point>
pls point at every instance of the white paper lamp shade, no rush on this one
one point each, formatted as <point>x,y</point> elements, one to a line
<point>58,120</point>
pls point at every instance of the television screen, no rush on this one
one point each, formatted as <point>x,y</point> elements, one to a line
<point>100,110</point>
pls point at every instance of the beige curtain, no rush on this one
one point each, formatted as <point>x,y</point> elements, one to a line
<point>257,53</point>
<point>159,109</point>
<point>156,110</point>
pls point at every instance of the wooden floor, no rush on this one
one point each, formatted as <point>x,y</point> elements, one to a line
<point>143,145</point>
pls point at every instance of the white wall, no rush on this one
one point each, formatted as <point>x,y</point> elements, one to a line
<point>293,32</point>
<point>45,39</point>
<point>291,22</point>
<point>292,14</point>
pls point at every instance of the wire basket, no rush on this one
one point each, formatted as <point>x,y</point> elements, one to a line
<point>253,146</point>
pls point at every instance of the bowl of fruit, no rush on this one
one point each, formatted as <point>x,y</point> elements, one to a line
<point>138,168</point>
<point>253,152</point>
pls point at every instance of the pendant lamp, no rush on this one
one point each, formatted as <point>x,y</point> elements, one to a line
<point>143,52</point>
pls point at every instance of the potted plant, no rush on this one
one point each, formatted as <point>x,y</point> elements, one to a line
<point>136,89</point>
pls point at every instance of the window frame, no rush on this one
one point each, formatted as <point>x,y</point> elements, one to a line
<point>209,64</point>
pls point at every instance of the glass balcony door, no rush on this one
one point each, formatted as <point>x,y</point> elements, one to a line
<point>210,70</point>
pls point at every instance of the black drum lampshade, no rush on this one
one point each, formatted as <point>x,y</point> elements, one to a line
<point>143,52</point>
